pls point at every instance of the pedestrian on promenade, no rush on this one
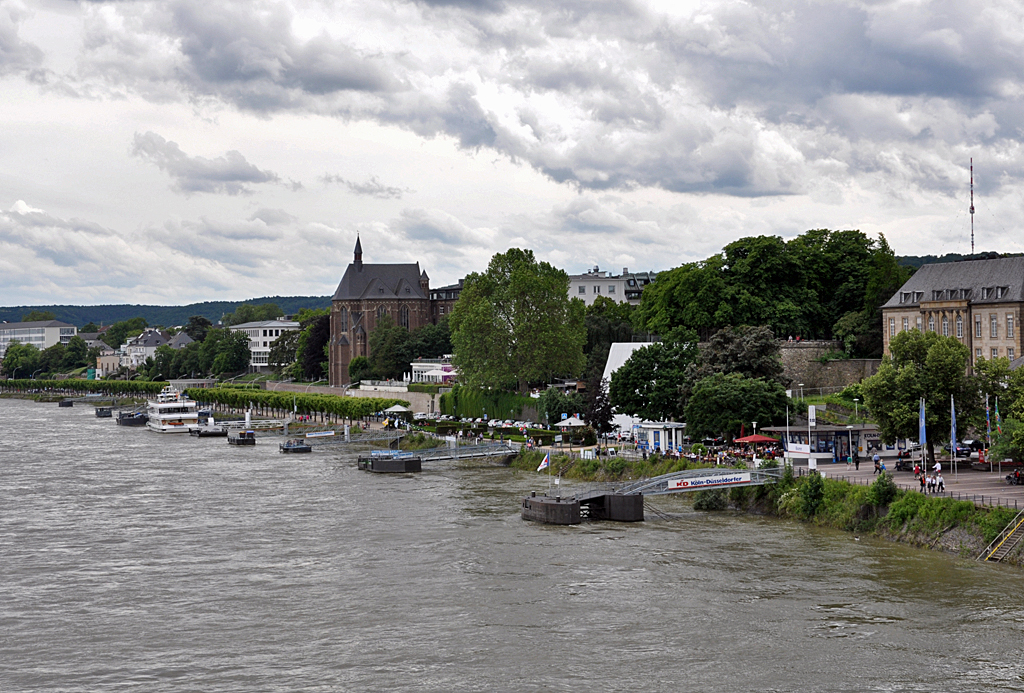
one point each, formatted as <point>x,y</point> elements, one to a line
<point>876,459</point>
<point>856,461</point>
<point>917,470</point>
<point>940,484</point>
<point>877,466</point>
<point>921,479</point>
<point>937,468</point>
<point>931,483</point>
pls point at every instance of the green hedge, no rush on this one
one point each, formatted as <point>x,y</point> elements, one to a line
<point>471,402</point>
<point>429,388</point>
<point>331,405</point>
<point>118,388</point>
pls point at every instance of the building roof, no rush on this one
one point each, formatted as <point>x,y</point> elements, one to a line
<point>618,354</point>
<point>36,323</point>
<point>149,338</point>
<point>980,278</point>
<point>259,324</point>
<point>380,281</point>
<point>179,340</point>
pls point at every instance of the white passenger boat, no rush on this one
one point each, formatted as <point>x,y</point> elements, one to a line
<point>173,412</point>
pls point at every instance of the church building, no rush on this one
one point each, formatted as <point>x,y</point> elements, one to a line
<point>366,294</point>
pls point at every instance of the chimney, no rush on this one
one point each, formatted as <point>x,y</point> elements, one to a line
<point>625,270</point>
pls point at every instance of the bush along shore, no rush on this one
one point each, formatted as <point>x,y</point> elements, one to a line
<point>881,509</point>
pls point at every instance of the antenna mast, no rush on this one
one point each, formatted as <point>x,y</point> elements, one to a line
<point>972,205</point>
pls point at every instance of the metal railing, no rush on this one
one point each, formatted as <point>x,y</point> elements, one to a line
<point>1003,537</point>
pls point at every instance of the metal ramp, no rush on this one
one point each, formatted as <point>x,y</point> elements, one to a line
<point>1006,541</point>
<point>698,480</point>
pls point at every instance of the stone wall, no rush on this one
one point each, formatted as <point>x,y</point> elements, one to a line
<point>801,364</point>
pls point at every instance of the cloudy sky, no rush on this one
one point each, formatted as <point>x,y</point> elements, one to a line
<point>187,150</point>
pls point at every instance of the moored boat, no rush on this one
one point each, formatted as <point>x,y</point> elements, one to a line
<point>296,445</point>
<point>132,418</point>
<point>173,412</point>
<point>242,438</point>
<point>103,412</point>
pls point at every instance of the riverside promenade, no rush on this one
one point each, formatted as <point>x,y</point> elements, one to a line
<point>983,488</point>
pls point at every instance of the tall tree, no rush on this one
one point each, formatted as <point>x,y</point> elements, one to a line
<point>922,364</point>
<point>119,332</point>
<point>514,324</point>
<point>389,349</point>
<point>650,383</point>
<point>750,351</point>
<point>313,338</point>
<point>607,321</point>
<point>76,355</point>
<point>197,327</point>
<point>599,411</point>
<point>20,360</point>
<point>431,341</point>
<point>723,403</point>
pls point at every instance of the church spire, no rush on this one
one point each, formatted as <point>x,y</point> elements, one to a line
<point>358,255</point>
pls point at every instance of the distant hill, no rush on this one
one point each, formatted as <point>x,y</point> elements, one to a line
<point>166,316</point>
<point>916,261</point>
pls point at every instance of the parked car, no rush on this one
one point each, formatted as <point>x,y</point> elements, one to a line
<point>961,450</point>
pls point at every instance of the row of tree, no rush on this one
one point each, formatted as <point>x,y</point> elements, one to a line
<point>302,403</point>
<point>115,388</point>
<point>25,359</point>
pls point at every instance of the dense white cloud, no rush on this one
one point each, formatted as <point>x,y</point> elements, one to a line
<point>610,133</point>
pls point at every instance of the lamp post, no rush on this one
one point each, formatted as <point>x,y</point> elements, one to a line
<point>755,427</point>
<point>856,407</point>
<point>34,374</point>
<point>849,430</point>
<point>801,386</point>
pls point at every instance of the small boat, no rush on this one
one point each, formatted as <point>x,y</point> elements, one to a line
<point>104,413</point>
<point>132,418</point>
<point>66,403</point>
<point>209,431</point>
<point>242,438</point>
<point>296,445</point>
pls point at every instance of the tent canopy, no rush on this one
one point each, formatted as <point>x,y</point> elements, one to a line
<point>571,421</point>
<point>756,438</point>
<point>398,408</point>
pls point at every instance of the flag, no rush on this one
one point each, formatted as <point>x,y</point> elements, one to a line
<point>952,425</point>
<point>988,424</point>
<point>999,421</point>
<point>920,426</point>
<point>545,462</point>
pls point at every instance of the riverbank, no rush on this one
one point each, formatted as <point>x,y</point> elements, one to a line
<point>881,509</point>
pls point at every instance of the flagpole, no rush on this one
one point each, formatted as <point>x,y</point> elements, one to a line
<point>988,433</point>
<point>952,433</point>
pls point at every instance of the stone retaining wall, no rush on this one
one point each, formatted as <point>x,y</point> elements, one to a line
<point>801,364</point>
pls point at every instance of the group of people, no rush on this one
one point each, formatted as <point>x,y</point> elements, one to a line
<point>931,482</point>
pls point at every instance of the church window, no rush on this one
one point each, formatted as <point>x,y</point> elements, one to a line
<point>343,319</point>
<point>381,312</point>
<point>403,316</point>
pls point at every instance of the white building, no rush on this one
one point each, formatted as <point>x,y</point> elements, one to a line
<point>136,350</point>
<point>433,371</point>
<point>262,335</point>
<point>624,288</point>
<point>41,334</point>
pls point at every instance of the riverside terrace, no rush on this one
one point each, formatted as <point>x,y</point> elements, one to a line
<point>981,487</point>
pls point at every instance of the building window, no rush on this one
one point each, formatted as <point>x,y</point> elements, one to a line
<point>583,289</point>
<point>977,353</point>
<point>403,316</point>
<point>611,288</point>
<point>994,325</point>
<point>597,289</point>
<point>931,323</point>
<point>906,324</point>
<point>919,323</point>
<point>977,326</point>
<point>343,319</point>
<point>959,327</point>
<point>945,326</point>
<point>441,310</point>
<point>995,352</point>
<point>1011,353</point>
<point>381,312</point>
<point>264,333</point>
<point>892,327</point>
<point>1009,325</point>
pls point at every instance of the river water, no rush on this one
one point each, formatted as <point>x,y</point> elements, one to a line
<point>131,560</point>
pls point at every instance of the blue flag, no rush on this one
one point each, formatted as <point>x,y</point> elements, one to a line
<point>952,426</point>
<point>920,426</point>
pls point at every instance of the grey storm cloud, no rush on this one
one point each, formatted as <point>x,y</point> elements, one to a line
<point>372,187</point>
<point>744,99</point>
<point>16,55</point>
<point>229,174</point>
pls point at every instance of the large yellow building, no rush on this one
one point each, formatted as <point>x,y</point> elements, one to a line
<point>977,301</point>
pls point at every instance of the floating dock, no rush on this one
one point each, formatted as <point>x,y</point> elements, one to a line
<point>390,465</point>
<point>551,510</point>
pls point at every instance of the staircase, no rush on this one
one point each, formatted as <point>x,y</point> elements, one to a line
<point>1006,541</point>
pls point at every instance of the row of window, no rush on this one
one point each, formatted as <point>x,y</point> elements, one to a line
<point>993,326</point>
<point>597,289</point>
<point>1011,353</point>
<point>954,294</point>
<point>403,316</point>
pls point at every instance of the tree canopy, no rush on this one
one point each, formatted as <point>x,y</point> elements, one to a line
<point>515,324</point>
<point>798,288</point>
<point>38,316</point>
<point>723,403</point>
<point>246,312</point>
<point>922,364</point>
<point>650,383</point>
<point>390,349</point>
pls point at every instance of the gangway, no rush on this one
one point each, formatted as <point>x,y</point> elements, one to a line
<point>1006,541</point>
<point>625,503</point>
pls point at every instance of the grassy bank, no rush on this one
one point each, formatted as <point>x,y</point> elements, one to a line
<point>882,509</point>
<point>419,441</point>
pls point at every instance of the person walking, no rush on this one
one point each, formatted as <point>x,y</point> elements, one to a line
<point>931,483</point>
<point>856,461</point>
<point>878,467</point>
<point>940,484</point>
<point>922,480</point>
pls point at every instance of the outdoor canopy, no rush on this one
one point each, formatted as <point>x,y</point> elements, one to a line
<point>571,421</point>
<point>397,409</point>
<point>756,438</point>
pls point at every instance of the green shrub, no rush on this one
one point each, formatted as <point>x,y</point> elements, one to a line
<point>883,491</point>
<point>812,493</point>
<point>710,499</point>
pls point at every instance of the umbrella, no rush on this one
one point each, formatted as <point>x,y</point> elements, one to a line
<point>571,421</point>
<point>756,438</point>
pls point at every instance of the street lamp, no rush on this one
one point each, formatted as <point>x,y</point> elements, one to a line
<point>856,407</point>
<point>849,429</point>
<point>34,374</point>
<point>755,427</point>
<point>801,385</point>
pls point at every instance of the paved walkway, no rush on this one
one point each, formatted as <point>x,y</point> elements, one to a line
<point>984,488</point>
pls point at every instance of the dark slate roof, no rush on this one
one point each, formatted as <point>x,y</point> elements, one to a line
<point>179,340</point>
<point>149,338</point>
<point>974,275</point>
<point>1017,363</point>
<point>379,281</point>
